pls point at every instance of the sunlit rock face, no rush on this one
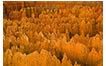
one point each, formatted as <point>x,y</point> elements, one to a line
<point>52,33</point>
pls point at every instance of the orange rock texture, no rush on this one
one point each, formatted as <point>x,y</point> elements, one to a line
<point>52,33</point>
